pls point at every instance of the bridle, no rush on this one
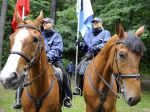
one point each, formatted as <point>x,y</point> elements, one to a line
<point>24,76</point>
<point>29,60</point>
<point>119,76</point>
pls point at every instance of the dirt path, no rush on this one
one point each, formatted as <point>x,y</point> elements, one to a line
<point>2,110</point>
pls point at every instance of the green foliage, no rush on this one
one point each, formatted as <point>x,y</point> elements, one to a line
<point>0,4</point>
<point>37,5</point>
<point>144,69</point>
<point>66,25</point>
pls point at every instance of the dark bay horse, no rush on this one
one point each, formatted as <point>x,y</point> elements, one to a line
<point>118,62</point>
<point>27,60</point>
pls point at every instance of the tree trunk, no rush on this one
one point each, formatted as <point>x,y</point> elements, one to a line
<point>53,9</point>
<point>2,23</point>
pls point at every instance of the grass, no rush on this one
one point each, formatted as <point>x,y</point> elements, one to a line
<point>143,106</point>
<point>7,99</point>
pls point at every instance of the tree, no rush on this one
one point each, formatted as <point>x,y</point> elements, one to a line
<point>2,23</point>
<point>53,9</point>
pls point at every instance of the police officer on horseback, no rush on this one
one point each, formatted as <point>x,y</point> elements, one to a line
<point>54,49</point>
<point>92,43</point>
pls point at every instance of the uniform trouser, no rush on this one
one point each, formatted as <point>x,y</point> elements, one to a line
<point>79,78</point>
<point>70,74</point>
<point>66,80</point>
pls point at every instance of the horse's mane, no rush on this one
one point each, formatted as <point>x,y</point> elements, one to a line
<point>134,43</point>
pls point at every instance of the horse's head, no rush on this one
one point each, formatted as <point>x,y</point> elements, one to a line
<point>25,45</point>
<point>128,51</point>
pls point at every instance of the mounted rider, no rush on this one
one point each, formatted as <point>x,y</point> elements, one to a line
<point>93,42</point>
<point>54,49</point>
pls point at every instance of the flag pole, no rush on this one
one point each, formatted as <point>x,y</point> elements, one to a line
<point>23,12</point>
<point>77,48</point>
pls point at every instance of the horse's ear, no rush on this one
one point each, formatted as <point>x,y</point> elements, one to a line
<point>140,31</point>
<point>39,19</point>
<point>119,30</point>
<point>17,17</point>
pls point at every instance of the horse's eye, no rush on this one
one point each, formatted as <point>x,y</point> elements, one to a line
<point>35,39</point>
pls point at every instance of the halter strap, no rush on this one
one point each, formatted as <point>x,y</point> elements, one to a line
<point>22,55</point>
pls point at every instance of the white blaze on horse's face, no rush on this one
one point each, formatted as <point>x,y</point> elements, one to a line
<point>12,62</point>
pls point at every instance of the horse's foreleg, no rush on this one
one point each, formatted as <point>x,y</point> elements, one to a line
<point>114,110</point>
<point>89,109</point>
<point>111,108</point>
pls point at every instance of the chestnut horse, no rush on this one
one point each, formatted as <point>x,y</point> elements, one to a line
<point>118,62</point>
<point>27,61</point>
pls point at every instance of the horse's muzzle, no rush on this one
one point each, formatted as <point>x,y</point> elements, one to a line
<point>133,101</point>
<point>11,82</point>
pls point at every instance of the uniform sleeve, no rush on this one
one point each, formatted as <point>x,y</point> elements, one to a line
<point>56,48</point>
<point>106,37</point>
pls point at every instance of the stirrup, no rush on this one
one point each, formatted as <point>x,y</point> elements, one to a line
<point>77,88</point>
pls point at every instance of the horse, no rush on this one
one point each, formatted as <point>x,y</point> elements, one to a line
<point>27,65</point>
<point>116,65</point>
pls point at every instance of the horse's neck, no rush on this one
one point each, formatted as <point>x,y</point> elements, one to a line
<point>102,62</point>
<point>41,85</point>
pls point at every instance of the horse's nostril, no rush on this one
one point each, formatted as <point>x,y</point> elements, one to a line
<point>133,101</point>
<point>13,75</point>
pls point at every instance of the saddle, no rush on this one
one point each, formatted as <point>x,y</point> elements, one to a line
<point>58,73</point>
<point>59,76</point>
<point>83,67</point>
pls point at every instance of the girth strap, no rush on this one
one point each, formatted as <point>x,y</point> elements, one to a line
<point>38,102</point>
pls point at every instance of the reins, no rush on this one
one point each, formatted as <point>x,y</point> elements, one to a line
<point>31,82</point>
<point>107,84</point>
